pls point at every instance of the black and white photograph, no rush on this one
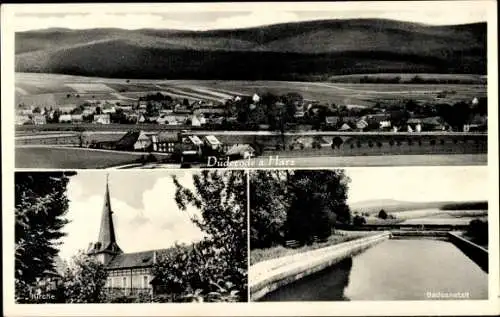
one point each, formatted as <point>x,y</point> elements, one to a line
<point>260,85</point>
<point>91,237</point>
<point>369,234</point>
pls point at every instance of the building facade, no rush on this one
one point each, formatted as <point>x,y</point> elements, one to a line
<point>128,273</point>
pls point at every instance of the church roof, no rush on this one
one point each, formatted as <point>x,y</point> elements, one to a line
<point>136,259</point>
<point>107,238</point>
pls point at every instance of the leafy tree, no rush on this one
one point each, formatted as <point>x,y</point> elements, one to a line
<point>84,280</point>
<point>220,260</point>
<point>37,110</point>
<point>318,201</point>
<point>382,214</point>
<point>40,208</point>
<point>98,110</point>
<point>268,207</point>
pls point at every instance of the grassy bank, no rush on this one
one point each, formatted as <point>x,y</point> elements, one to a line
<point>259,255</point>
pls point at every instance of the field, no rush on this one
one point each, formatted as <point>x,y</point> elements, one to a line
<point>52,89</point>
<point>70,158</point>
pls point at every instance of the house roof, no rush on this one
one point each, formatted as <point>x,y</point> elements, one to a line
<point>414,121</point>
<point>332,119</point>
<point>195,139</point>
<point>239,149</point>
<point>130,138</point>
<point>136,259</point>
<point>167,137</point>
<point>345,127</point>
<point>432,121</point>
<point>212,140</point>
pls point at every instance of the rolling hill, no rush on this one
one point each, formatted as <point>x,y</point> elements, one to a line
<point>310,50</point>
<point>389,205</point>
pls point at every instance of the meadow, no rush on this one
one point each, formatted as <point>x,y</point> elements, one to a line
<point>70,158</point>
<point>53,89</point>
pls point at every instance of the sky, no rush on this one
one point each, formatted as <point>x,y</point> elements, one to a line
<point>240,15</point>
<point>144,211</point>
<point>419,184</point>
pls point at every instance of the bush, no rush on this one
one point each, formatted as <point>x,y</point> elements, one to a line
<point>358,221</point>
<point>382,214</point>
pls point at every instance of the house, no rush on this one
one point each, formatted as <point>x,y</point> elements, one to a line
<point>25,112</point>
<point>108,109</point>
<point>241,150</point>
<point>39,119</point>
<point>361,124</point>
<point>66,108</point>
<point>197,121</point>
<point>345,127</point>
<point>141,118</point>
<point>299,114</point>
<point>191,145</point>
<point>65,118</point>
<point>212,142</point>
<point>128,273</point>
<point>433,124</point>
<point>87,112</point>
<point>76,118</point>
<point>255,98</point>
<point>134,140</point>
<point>332,121</point>
<point>102,118</point>
<point>21,120</point>
<point>165,119</point>
<point>164,142</point>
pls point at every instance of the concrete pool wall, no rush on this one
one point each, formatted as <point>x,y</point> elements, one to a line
<point>269,275</point>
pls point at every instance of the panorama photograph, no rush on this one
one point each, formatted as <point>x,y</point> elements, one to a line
<point>251,85</point>
<point>163,237</point>
<point>373,234</point>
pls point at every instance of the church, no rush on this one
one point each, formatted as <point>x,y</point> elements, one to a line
<point>129,273</point>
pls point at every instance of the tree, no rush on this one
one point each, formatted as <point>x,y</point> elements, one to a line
<point>40,208</point>
<point>98,110</point>
<point>84,280</point>
<point>382,214</point>
<point>37,110</point>
<point>358,220</point>
<point>318,201</point>
<point>221,258</point>
<point>268,207</point>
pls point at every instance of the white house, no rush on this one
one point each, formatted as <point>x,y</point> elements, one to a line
<point>197,121</point>
<point>65,118</point>
<point>255,98</point>
<point>102,119</point>
<point>20,120</point>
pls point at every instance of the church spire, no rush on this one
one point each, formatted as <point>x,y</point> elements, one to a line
<point>107,238</point>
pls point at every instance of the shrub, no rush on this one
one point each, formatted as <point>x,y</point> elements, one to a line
<point>382,214</point>
<point>358,221</point>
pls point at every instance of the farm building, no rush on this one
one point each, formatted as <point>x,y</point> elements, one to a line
<point>102,118</point>
<point>39,119</point>
<point>165,119</point>
<point>134,140</point>
<point>65,118</point>
<point>66,108</point>
<point>164,142</point>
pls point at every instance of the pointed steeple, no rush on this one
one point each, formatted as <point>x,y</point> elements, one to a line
<point>107,238</point>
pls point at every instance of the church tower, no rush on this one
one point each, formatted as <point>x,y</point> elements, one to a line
<point>106,247</point>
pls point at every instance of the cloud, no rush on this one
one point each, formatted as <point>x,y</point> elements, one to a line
<point>159,224</point>
<point>227,15</point>
<point>418,183</point>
